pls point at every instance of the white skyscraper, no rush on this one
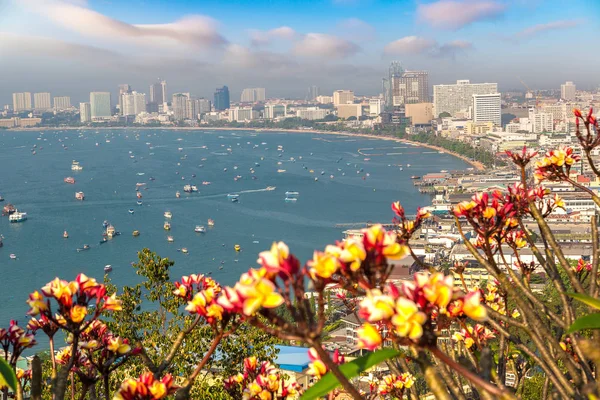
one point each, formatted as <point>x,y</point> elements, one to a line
<point>251,95</point>
<point>85,112</point>
<point>62,103</point>
<point>343,97</point>
<point>567,91</point>
<point>100,104</point>
<point>541,121</point>
<point>134,103</point>
<point>458,97</point>
<point>42,101</point>
<point>487,108</point>
<point>22,101</point>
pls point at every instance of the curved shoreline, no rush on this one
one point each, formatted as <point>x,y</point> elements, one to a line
<point>476,164</point>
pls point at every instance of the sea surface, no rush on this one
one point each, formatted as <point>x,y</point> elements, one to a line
<point>351,188</point>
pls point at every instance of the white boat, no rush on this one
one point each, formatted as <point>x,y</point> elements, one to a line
<point>187,188</point>
<point>170,239</point>
<point>75,166</point>
<point>194,188</point>
<point>211,222</point>
<point>233,196</point>
<point>79,196</point>
<point>107,268</point>
<point>184,250</point>
<point>110,231</point>
<point>17,216</point>
<point>200,229</point>
<point>292,194</point>
<point>177,194</point>
<point>291,199</point>
<point>270,188</point>
<point>13,257</point>
<point>168,214</point>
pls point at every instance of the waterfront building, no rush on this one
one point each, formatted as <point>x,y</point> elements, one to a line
<point>100,105</point>
<point>22,101</point>
<point>419,113</point>
<point>346,111</point>
<point>375,107</point>
<point>242,114</point>
<point>487,108</point>
<point>42,101</point>
<point>567,91</point>
<point>62,103</point>
<point>134,103</point>
<point>273,111</point>
<point>454,98</point>
<point>85,112</point>
<point>179,104</point>
<point>251,95</point>
<point>410,87</point>
<point>311,113</point>
<point>222,99</point>
<point>343,97</point>
<point>123,90</point>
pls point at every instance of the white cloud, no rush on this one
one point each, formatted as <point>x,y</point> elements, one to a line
<point>416,45</point>
<point>539,28</point>
<point>192,30</point>
<point>454,14</point>
<point>325,46</point>
<point>356,29</point>
<point>261,38</point>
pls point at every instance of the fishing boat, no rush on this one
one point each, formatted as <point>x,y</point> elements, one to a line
<point>184,250</point>
<point>167,226</point>
<point>170,239</point>
<point>8,209</point>
<point>75,166</point>
<point>70,180</point>
<point>107,268</point>
<point>139,203</point>
<point>237,247</point>
<point>131,211</point>
<point>17,216</point>
<point>292,194</point>
<point>84,248</point>
<point>65,235</point>
<point>168,214</point>
<point>200,229</point>
<point>110,231</point>
<point>13,257</point>
<point>211,222</point>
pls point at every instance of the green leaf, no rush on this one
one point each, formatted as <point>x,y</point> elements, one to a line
<point>7,374</point>
<point>350,370</point>
<point>584,298</point>
<point>591,321</point>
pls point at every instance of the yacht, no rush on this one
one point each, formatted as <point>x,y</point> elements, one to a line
<point>136,233</point>
<point>184,250</point>
<point>291,199</point>
<point>292,194</point>
<point>110,231</point>
<point>107,268</point>
<point>69,179</point>
<point>187,188</point>
<point>17,216</point>
<point>177,194</point>
<point>75,166</point>
<point>79,196</point>
<point>270,188</point>
<point>200,229</point>
<point>65,235</point>
<point>170,239</point>
<point>168,214</point>
<point>194,188</point>
<point>211,222</point>
<point>13,257</point>
<point>233,196</point>
<point>84,248</point>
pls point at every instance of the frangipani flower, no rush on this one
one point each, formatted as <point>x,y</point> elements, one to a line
<point>368,337</point>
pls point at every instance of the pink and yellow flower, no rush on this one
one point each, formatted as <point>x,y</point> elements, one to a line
<point>368,337</point>
<point>408,320</point>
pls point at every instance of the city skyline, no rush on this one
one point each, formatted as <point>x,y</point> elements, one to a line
<point>61,46</point>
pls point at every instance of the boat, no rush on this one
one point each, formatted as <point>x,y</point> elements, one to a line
<point>110,231</point>
<point>17,216</point>
<point>291,199</point>
<point>233,196</point>
<point>75,166</point>
<point>187,188</point>
<point>168,214</point>
<point>184,250</point>
<point>104,240</point>
<point>107,268</point>
<point>136,233</point>
<point>84,248</point>
<point>408,165</point>
<point>65,235</point>
<point>70,180</point>
<point>79,196</point>
<point>206,183</point>
<point>415,177</point>
<point>270,188</point>
<point>140,184</point>
<point>200,229</point>
<point>194,188</point>
<point>1,198</point>
<point>177,194</point>
<point>170,239</point>
<point>105,224</point>
<point>139,203</point>
<point>281,170</point>
<point>8,209</point>
<point>235,199</point>
<point>13,257</point>
<point>167,226</point>
<point>316,179</point>
<point>292,194</point>
<point>211,222</point>
<point>139,195</point>
<point>237,247</point>
<point>131,211</point>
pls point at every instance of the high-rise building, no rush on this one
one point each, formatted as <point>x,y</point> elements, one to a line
<point>85,112</point>
<point>192,110</point>
<point>179,105</point>
<point>394,71</point>
<point>124,89</point>
<point>100,105</point>
<point>343,97</point>
<point>349,110</point>
<point>312,113</point>
<point>375,107</point>
<point>487,108</point>
<point>567,91</point>
<point>274,110</point>
<point>42,101</point>
<point>410,87</point>
<point>242,114</point>
<point>454,98</point>
<point>222,99</point>
<point>203,106</point>
<point>313,92</point>
<point>163,86</point>
<point>134,103</point>
<point>157,96</point>
<point>62,103</point>
<point>22,101</point>
<point>251,95</point>
<point>541,121</point>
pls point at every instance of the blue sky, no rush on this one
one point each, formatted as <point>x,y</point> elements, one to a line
<point>70,47</point>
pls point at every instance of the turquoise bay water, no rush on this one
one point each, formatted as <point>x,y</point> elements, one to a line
<point>34,184</point>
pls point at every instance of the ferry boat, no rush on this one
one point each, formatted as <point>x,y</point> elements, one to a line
<point>200,229</point>
<point>107,268</point>
<point>110,231</point>
<point>177,194</point>
<point>292,194</point>
<point>79,196</point>
<point>167,226</point>
<point>170,239</point>
<point>65,235</point>
<point>237,247</point>
<point>69,179</point>
<point>8,209</point>
<point>75,166</point>
<point>131,211</point>
<point>168,214</point>
<point>187,188</point>
<point>136,233</point>
<point>17,216</point>
<point>211,222</point>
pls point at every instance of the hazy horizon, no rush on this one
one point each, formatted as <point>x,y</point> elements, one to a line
<point>72,47</point>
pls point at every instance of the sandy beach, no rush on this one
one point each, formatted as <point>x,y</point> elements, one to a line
<point>476,164</point>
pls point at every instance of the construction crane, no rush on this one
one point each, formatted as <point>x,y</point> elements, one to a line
<point>537,94</point>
